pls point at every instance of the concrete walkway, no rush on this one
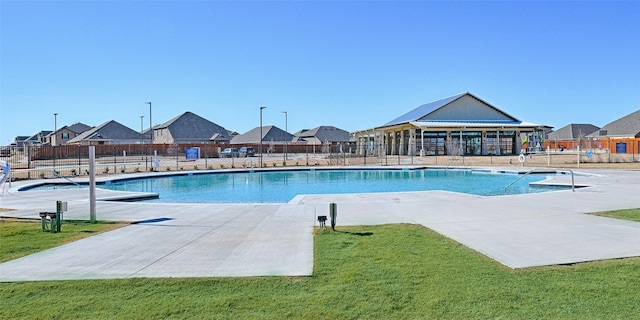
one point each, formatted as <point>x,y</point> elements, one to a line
<point>215,240</point>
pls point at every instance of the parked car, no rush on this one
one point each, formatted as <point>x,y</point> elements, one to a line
<point>5,152</point>
<point>247,152</point>
<point>229,153</point>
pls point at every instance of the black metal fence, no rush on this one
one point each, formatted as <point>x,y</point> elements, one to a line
<point>37,162</point>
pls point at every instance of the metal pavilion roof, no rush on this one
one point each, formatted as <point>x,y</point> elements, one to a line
<point>425,110</point>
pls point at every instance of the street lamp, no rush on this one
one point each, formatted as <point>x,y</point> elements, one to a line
<point>286,129</point>
<point>150,122</point>
<point>141,131</point>
<point>261,108</point>
<point>150,130</point>
<point>55,128</point>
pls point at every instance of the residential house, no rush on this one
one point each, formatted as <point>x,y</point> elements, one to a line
<point>270,134</point>
<point>189,128</point>
<point>574,131</point>
<point>37,139</point>
<point>110,132</point>
<point>66,133</point>
<point>323,135</point>
<point>19,141</point>
<point>623,134</point>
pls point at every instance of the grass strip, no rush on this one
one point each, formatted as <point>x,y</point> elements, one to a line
<point>398,271</point>
<point>626,214</point>
<point>21,237</point>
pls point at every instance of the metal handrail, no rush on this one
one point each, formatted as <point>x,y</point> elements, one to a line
<point>573,186</point>
<point>65,178</point>
<point>451,161</point>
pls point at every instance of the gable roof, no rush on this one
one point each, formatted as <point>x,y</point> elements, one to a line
<point>78,127</point>
<point>37,136</point>
<point>573,131</point>
<point>108,131</point>
<point>269,134</point>
<point>324,133</point>
<point>627,127</point>
<point>190,126</point>
<point>427,112</point>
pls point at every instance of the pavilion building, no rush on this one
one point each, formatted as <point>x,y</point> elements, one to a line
<point>462,124</point>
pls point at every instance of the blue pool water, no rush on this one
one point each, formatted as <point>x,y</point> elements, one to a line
<point>282,186</point>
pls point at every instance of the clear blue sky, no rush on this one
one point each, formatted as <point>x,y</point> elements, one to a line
<point>351,64</point>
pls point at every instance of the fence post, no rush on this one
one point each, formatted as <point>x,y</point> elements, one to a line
<point>28,162</point>
<point>92,183</point>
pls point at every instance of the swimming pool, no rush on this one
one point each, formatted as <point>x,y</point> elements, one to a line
<point>282,186</point>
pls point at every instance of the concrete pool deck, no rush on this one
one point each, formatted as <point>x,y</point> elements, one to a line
<point>238,240</point>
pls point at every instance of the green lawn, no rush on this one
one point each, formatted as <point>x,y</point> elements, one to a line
<point>629,214</point>
<point>21,237</point>
<point>396,271</point>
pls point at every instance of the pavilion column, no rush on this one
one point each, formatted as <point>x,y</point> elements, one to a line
<point>401,150</point>
<point>412,142</point>
<point>498,137</point>
<point>422,153</point>
<point>394,145</point>
<point>484,143</point>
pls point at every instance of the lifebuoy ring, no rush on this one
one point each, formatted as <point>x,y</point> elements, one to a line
<point>521,158</point>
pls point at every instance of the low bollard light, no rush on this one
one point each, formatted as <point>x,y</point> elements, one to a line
<point>333,213</point>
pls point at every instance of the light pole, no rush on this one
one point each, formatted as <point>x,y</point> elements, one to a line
<point>150,130</point>
<point>53,145</point>
<point>286,129</point>
<point>150,122</point>
<point>141,130</point>
<point>261,108</point>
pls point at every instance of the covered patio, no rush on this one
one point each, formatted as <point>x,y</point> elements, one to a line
<point>458,125</point>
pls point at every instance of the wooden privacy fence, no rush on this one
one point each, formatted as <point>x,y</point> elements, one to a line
<point>607,145</point>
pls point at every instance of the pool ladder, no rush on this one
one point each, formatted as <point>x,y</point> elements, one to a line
<point>573,185</point>
<point>65,178</point>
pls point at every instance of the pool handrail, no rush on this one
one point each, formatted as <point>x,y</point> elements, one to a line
<point>65,178</point>
<point>573,185</point>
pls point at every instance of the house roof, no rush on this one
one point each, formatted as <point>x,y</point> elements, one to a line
<point>78,127</point>
<point>108,131</point>
<point>573,131</point>
<point>627,126</point>
<point>42,133</point>
<point>324,133</point>
<point>269,134</point>
<point>427,112</point>
<point>75,128</point>
<point>190,126</point>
